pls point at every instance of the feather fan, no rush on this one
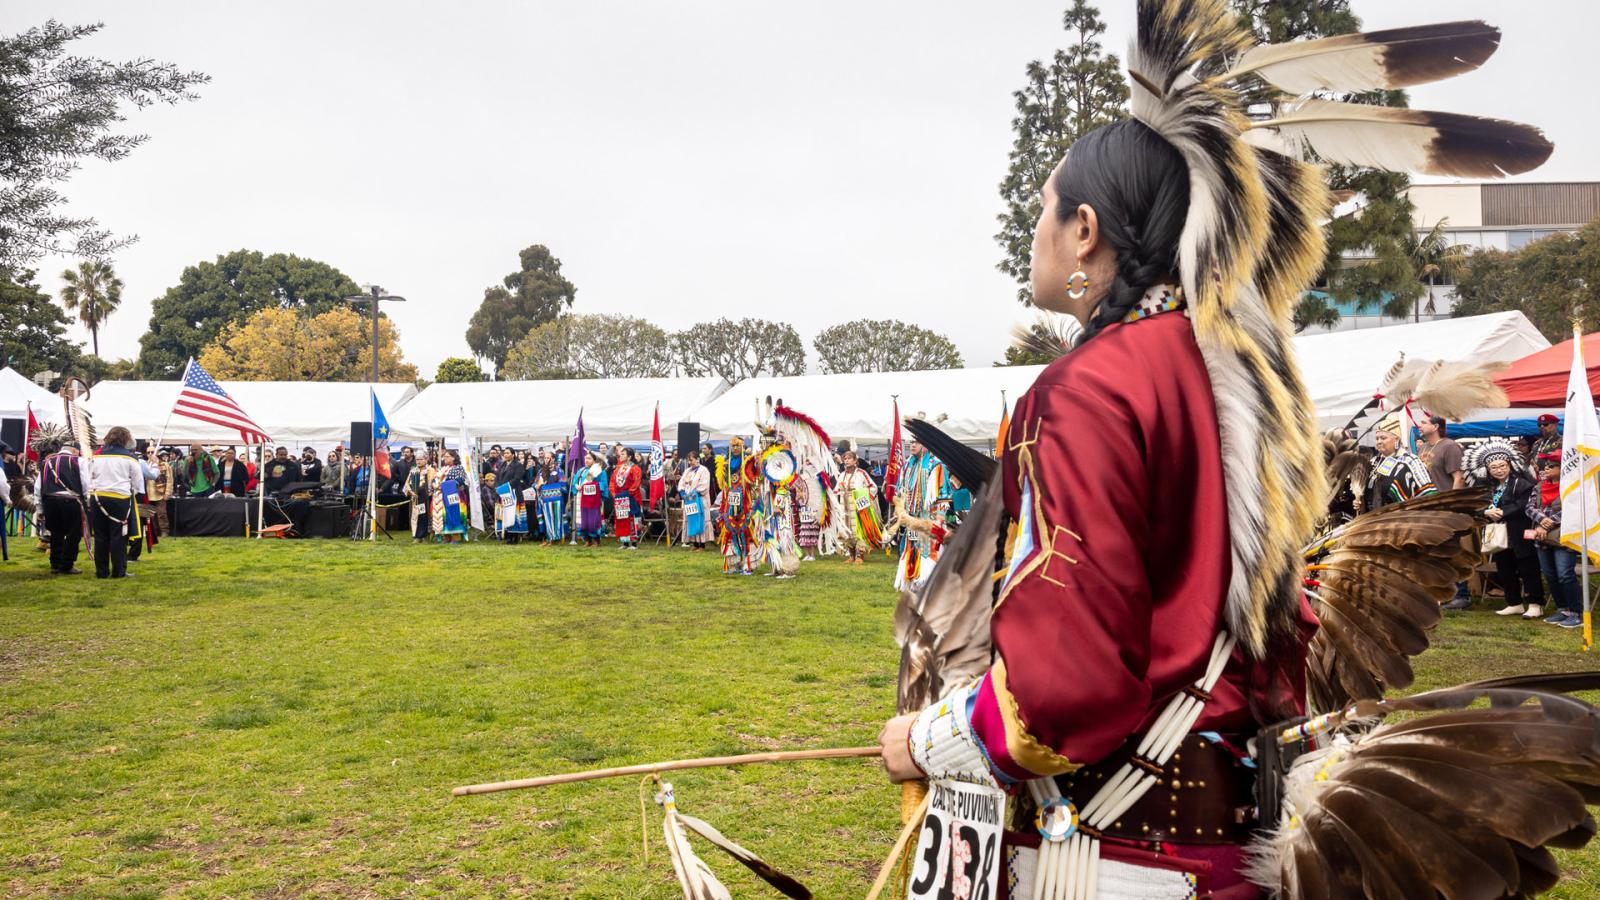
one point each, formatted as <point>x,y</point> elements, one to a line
<point>1454,390</point>
<point>1456,801</point>
<point>1050,336</point>
<point>1375,60</point>
<point>1376,584</point>
<point>48,436</point>
<point>1344,462</point>
<point>943,628</point>
<point>694,876</point>
<point>1402,378</point>
<point>1404,140</point>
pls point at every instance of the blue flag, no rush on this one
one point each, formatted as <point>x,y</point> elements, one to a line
<point>380,439</point>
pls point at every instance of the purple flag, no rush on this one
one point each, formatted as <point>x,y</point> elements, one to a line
<point>576,451</point>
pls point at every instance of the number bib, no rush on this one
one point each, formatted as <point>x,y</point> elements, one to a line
<point>691,508</point>
<point>624,508</point>
<point>958,852</point>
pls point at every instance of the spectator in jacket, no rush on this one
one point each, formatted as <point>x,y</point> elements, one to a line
<point>1516,566</point>
<point>233,476</point>
<point>1559,564</point>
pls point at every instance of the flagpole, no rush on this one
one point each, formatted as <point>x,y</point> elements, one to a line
<point>372,497</point>
<point>160,438</point>
<point>1583,504</point>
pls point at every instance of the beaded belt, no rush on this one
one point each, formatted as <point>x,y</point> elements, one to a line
<point>1203,795</point>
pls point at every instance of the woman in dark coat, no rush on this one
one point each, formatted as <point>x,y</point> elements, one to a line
<point>1495,463</point>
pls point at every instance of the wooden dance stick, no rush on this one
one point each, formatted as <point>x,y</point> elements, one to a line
<point>703,762</point>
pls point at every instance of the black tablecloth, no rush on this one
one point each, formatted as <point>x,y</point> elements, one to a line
<point>221,516</point>
<point>216,516</point>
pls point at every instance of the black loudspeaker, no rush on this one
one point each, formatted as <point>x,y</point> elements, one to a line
<point>688,436</point>
<point>12,433</point>
<point>361,438</point>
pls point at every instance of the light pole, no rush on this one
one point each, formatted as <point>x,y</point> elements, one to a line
<point>374,295</point>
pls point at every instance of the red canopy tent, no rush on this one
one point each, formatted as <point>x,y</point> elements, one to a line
<point>1541,379</point>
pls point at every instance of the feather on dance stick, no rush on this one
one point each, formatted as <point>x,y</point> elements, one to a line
<point>694,876</point>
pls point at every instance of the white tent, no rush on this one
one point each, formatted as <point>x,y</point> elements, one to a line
<point>1341,370</point>
<point>16,392</point>
<point>294,413</point>
<point>860,407</point>
<point>614,409</point>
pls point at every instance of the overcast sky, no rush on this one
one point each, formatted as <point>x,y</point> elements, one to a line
<point>809,163</point>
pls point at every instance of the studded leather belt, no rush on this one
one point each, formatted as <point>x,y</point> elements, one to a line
<point>1203,795</point>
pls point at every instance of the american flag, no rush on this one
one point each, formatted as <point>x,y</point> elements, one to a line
<point>202,398</point>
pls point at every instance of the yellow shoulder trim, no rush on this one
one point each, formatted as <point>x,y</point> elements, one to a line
<point>1025,749</point>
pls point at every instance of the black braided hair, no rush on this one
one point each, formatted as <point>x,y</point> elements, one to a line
<point>1138,186</point>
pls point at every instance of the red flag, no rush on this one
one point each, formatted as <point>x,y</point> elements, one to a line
<point>658,463</point>
<point>892,476</point>
<point>27,437</point>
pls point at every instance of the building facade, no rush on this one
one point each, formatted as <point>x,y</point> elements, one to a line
<point>1481,216</point>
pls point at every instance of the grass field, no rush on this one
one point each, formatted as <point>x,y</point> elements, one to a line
<point>286,719</point>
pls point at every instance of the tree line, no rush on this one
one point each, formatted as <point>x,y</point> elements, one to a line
<point>259,315</point>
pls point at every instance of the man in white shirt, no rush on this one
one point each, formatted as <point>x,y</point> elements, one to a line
<point>116,477</point>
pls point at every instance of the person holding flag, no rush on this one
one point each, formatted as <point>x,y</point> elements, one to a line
<point>891,475</point>
<point>576,461</point>
<point>658,465</point>
<point>381,466</point>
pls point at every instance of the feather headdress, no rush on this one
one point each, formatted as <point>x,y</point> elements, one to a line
<point>1252,239</point>
<point>1475,463</point>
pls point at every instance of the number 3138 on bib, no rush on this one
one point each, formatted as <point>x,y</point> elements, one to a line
<point>958,850</point>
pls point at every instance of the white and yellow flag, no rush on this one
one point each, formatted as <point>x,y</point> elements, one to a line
<point>1580,473</point>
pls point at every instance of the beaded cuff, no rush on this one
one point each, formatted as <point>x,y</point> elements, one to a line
<point>943,745</point>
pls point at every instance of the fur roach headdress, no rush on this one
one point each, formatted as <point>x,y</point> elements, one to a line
<point>1253,239</point>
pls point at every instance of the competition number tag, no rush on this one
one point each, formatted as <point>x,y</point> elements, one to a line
<point>624,505</point>
<point>863,500</point>
<point>958,852</point>
<point>691,508</point>
<point>590,489</point>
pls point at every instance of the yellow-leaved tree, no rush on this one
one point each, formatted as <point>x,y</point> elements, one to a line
<point>279,344</point>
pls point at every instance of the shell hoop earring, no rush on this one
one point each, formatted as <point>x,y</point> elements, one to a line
<point>1077,285</point>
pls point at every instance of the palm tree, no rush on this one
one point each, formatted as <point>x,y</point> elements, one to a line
<point>1433,259</point>
<point>95,291</point>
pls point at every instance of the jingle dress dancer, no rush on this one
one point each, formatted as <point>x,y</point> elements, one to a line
<point>627,489</point>
<point>590,488</point>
